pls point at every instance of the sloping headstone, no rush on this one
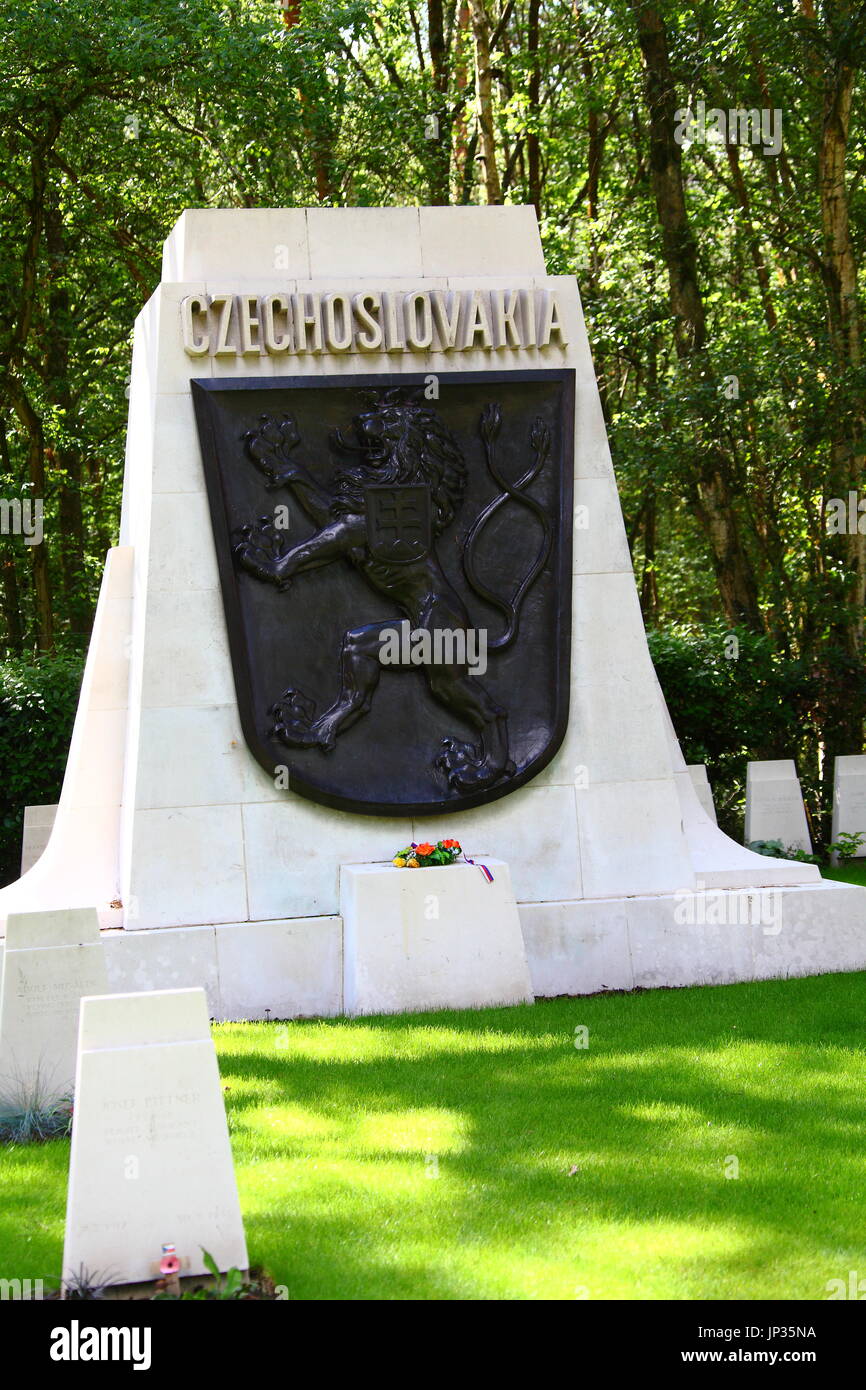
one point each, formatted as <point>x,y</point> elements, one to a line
<point>151,1163</point>
<point>849,798</point>
<point>52,960</point>
<point>701,784</point>
<point>442,937</point>
<point>774,805</point>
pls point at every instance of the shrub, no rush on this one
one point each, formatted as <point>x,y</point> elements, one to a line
<point>37,709</point>
<point>31,1111</point>
<point>729,710</point>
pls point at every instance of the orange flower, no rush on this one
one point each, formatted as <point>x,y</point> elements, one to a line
<point>424,850</point>
<point>450,844</point>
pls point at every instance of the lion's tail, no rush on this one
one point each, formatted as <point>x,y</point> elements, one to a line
<point>491,422</point>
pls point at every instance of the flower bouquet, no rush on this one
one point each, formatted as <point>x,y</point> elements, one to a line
<point>428,856</point>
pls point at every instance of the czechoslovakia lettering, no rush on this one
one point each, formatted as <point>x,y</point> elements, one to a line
<point>250,325</point>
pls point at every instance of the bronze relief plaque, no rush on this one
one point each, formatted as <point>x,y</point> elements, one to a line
<point>395,562</point>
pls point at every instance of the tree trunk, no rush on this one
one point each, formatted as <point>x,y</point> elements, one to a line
<point>11,599</point>
<point>77,604</point>
<point>755,252</point>
<point>533,150</point>
<point>440,163</point>
<point>713,490</point>
<point>842,724</point>
<point>317,129</point>
<point>14,639</point>
<point>839,274</point>
<point>14,389</point>
<point>465,174</point>
<point>484,95</point>
<point>38,553</point>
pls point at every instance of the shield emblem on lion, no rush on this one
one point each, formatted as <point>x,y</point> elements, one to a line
<point>398,522</point>
<point>396,576</point>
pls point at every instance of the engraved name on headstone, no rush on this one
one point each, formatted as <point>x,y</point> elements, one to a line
<point>774,804</point>
<point>52,960</point>
<point>849,798</point>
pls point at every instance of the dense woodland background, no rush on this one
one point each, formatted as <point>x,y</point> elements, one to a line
<point>697,265</point>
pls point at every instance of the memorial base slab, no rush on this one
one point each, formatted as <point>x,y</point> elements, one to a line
<point>294,969</point>
<point>713,937</point>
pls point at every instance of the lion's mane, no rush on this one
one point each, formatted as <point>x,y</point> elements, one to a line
<point>420,450</point>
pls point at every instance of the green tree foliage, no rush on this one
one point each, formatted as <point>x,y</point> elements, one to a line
<point>733,697</point>
<point>37,706</point>
<point>720,279</point>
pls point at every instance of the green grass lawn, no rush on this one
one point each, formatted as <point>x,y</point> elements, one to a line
<point>484,1156</point>
<point>852,872</point>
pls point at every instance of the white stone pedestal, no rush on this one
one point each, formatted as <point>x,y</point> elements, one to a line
<point>703,790</point>
<point>430,939</point>
<point>849,798</point>
<point>151,1162</point>
<point>774,805</point>
<point>38,824</point>
<point>52,959</point>
<point>202,870</point>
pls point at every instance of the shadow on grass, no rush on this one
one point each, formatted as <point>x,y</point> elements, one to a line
<point>559,1148</point>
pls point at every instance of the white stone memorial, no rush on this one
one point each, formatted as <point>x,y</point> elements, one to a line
<point>701,784</point>
<point>52,959</point>
<point>38,824</point>
<point>774,805</point>
<point>151,1162</point>
<point>431,938</point>
<point>849,798</point>
<point>206,872</point>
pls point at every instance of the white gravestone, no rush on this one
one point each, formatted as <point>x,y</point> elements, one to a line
<point>151,1162</point>
<point>38,824</point>
<point>52,960</point>
<point>849,798</point>
<point>701,784</point>
<point>774,805</point>
<point>431,938</point>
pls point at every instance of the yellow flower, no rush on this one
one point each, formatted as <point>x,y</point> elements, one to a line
<point>399,862</point>
<point>411,863</point>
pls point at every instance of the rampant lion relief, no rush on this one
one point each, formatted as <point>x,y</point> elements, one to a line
<point>400,619</point>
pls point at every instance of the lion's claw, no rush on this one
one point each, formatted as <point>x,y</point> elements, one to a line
<point>269,447</point>
<point>258,549</point>
<point>468,768</point>
<point>295,722</point>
